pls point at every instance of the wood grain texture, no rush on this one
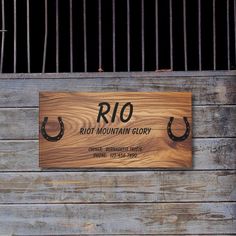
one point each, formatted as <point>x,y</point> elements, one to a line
<point>208,154</point>
<point>214,98</point>
<point>151,111</point>
<point>161,218</point>
<point>206,90</point>
<point>105,187</point>
<point>23,123</point>
<point>18,123</point>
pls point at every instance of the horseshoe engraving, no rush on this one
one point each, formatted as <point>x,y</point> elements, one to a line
<point>178,138</point>
<point>52,138</point>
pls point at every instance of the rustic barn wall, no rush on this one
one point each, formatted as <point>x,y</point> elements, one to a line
<point>200,201</point>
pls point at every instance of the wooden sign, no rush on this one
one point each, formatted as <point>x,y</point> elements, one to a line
<point>115,130</point>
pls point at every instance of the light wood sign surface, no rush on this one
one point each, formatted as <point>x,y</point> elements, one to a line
<point>115,130</point>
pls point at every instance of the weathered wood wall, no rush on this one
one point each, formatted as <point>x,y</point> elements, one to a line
<point>200,201</point>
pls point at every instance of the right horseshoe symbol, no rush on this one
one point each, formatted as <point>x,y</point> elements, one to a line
<point>54,138</point>
<point>178,138</point>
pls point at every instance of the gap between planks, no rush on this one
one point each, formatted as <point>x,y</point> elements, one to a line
<point>37,107</point>
<point>115,203</point>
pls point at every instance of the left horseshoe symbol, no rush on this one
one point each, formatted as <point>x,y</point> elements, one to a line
<point>52,138</point>
<point>178,138</point>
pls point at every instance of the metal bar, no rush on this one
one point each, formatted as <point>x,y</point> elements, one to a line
<point>3,36</point>
<point>214,34</point>
<point>15,35</point>
<point>199,36</point>
<point>142,32</point>
<point>228,38</point>
<point>185,37</point>
<point>128,35</point>
<point>71,36</point>
<point>171,34</point>
<point>235,31</point>
<point>114,34</point>
<point>157,36</point>
<point>28,37</point>
<point>100,36</point>
<point>85,35</point>
<point>57,37</point>
<point>46,34</point>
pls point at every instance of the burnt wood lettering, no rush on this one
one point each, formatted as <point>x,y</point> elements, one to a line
<point>102,114</point>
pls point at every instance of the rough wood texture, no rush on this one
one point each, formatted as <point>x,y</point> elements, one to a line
<point>206,90</point>
<point>150,114</point>
<point>104,187</point>
<point>22,123</point>
<point>161,218</point>
<point>207,197</point>
<point>208,154</point>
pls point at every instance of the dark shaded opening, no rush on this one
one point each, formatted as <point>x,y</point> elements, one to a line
<point>37,28</point>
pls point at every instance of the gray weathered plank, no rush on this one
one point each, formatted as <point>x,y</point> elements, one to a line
<point>208,121</point>
<point>19,155</point>
<point>214,153</point>
<point>18,123</point>
<point>214,121</point>
<point>155,218</point>
<point>138,186</point>
<point>132,74</point>
<point>206,90</point>
<point>208,154</point>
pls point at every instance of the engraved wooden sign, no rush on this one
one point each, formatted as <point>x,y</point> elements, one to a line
<point>115,130</point>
